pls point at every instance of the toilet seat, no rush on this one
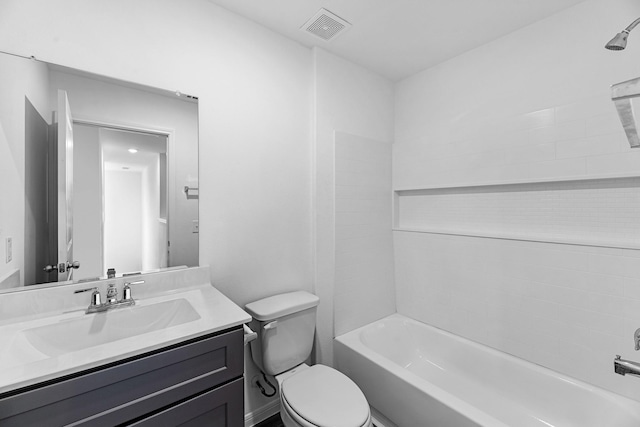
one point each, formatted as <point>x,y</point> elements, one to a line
<point>320,396</point>
<point>292,416</point>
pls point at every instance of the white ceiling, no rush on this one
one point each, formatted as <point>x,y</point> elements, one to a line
<point>398,38</point>
<point>116,143</point>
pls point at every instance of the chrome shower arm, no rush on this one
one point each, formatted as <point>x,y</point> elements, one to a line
<point>632,26</point>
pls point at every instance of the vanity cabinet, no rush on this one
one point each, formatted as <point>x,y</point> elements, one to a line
<point>198,382</point>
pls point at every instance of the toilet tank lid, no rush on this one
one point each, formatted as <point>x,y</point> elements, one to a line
<point>276,306</point>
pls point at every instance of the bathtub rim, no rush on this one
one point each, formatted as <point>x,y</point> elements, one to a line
<point>352,340</point>
<point>445,398</point>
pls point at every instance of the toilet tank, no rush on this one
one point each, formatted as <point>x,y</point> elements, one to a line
<point>285,325</point>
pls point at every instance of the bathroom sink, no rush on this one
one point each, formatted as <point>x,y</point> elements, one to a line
<point>92,330</point>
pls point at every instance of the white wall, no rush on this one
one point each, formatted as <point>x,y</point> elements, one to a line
<point>353,100</point>
<point>254,119</point>
<point>18,77</point>
<point>532,105</point>
<point>123,220</point>
<point>357,104</point>
<point>87,202</point>
<point>151,227</point>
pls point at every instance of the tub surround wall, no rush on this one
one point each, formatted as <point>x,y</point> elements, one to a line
<point>569,308</point>
<point>364,279</point>
<point>353,103</point>
<point>531,106</point>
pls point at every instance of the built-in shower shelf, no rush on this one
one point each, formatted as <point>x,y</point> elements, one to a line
<point>575,178</point>
<point>541,239</point>
<point>601,211</point>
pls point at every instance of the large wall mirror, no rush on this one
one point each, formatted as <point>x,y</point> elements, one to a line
<point>95,174</point>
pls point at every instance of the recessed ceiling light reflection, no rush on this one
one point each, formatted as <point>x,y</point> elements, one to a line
<point>133,150</point>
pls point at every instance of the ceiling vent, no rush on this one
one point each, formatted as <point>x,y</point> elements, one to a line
<point>326,25</point>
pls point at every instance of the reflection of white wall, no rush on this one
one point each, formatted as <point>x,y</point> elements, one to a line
<point>123,220</point>
<point>145,162</point>
<point>151,243</point>
<point>101,101</point>
<point>87,202</point>
<point>92,147</point>
<point>18,77</point>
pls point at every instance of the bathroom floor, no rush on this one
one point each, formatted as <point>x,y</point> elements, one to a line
<point>275,421</point>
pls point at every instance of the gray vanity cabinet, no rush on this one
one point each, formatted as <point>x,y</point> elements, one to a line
<point>195,383</point>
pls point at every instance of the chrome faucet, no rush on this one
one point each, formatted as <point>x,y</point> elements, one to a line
<point>112,294</point>
<point>95,297</point>
<point>126,290</point>
<point>95,306</point>
<point>624,367</point>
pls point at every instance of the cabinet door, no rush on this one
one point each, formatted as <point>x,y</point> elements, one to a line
<point>220,407</point>
<point>117,393</point>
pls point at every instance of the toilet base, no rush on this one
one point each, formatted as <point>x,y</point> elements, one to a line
<point>284,414</point>
<point>288,419</point>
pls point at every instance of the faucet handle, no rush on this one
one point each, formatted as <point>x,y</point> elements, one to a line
<point>95,295</point>
<point>126,291</point>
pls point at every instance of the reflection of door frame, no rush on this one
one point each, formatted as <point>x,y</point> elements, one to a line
<point>64,179</point>
<point>169,134</point>
<point>36,247</point>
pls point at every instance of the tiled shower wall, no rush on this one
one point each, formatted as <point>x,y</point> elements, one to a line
<point>569,308</point>
<point>531,106</point>
<point>364,279</point>
<point>577,139</point>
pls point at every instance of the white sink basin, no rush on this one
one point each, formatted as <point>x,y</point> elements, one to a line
<point>95,329</point>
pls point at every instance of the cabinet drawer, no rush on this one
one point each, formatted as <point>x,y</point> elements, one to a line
<point>222,406</point>
<point>126,390</point>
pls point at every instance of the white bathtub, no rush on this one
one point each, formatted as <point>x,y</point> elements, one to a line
<point>417,375</point>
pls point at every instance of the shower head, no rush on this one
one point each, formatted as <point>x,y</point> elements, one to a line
<point>619,42</point>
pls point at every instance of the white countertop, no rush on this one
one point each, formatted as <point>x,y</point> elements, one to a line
<point>21,364</point>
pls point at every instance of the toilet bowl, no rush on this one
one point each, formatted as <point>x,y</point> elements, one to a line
<point>310,396</point>
<point>320,396</point>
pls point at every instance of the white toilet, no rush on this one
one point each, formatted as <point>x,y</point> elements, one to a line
<point>310,396</point>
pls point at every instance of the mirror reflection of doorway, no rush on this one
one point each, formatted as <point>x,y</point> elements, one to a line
<point>30,184</point>
<point>121,199</point>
